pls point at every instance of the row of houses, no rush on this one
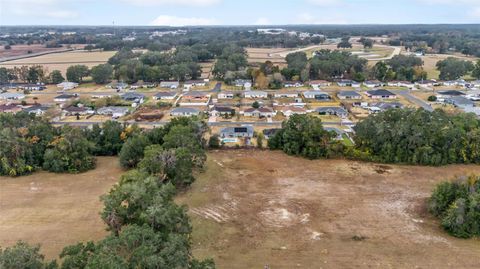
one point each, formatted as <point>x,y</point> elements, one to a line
<point>316,94</point>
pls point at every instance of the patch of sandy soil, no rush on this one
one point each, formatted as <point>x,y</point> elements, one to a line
<point>55,210</point>
<point>256,208</point>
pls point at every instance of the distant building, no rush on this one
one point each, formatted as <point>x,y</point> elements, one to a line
<point>349,95</point>
<point>113,111</point>
<point>317,95</point>
<point>169,84</point>
<point>11,96</point>
<point>184,112</point>
<point>66,85</point>
<point>381,94</point>
<point>336,111</point>
<point>255,94</point>
<point>165,96</point>
<point>237,132</point>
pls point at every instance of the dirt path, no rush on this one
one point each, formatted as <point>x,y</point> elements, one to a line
<point>55,210</point>
<point>255,208</point>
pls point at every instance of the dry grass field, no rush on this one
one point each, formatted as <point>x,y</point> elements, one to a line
<point>253,208</point>
<point>55,210</point>
<point>21,50</point>
<point>430,62</point>
<point>61,61</point>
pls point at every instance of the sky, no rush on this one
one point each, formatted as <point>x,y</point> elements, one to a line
<point>236,12</point>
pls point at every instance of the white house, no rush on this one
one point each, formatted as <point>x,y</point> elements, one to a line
<point>169,84</point>
<point>67,85</point>
<point>65,98</point>
<point>165,96</point>
<point>114,111</point>
<point>258,112</point>
<point>255,94</point>
<point>317,95</point>
<point>12,96</point>
<point>184,112</point>
<point>226,95</point>
<point>284,94</point>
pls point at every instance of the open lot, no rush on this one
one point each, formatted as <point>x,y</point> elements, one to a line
<point>252,208</point>
<point>55,210</point>
<point>61,61</point>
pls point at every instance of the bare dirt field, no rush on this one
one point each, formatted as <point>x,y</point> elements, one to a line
<point>20,50</point>
<point>61,61</point>
<point>252,208</point>
<point>55,210</point>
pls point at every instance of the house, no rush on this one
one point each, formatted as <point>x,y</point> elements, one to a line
<point>114,111</point>
<point>427,83</point>
<point>32,87</point>
<point>245,83</point>
<point>142,84</point>
<point>268,133</point>
<point>460,101</point>
<point>381,94</point>
<point>288,111</point>
<point>317,95</point>
<point>237,132</point>
<point>65,98</point>
<point>399,83</point>
<point>319,83</point>
<point>10,108</point>
<point>169,84</point>
<point>196,95</point>
<point>184,112</point>
<point>133,97</point>
<point>348,83</point>
<point>165,96</point>
<point>292,84</point>
<point>11,96</point>
<point>372,83</point>
<point>443,95</point>
<point>67,85</point>
<point>332,110</point>
<point>37,110</point>
<point>77,111</point>
<point>101,95</point>
<point>258,112</point>
<point>194,83</point>
<point>255,94</point>
<point>117,85</point>
<point>385,106</point>
<point>458,82</point>
<point>226,95</point>
<point>222,111</point>
<point>285,94</point>
<point>349,95</point>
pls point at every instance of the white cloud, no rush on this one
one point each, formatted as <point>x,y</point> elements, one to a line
<point>173,2</point>
<point>307,18</point>
<point>325,3</point>
<point>166,20</point>
<point>262,21</point>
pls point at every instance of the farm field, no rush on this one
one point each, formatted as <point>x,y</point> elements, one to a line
<point>55,210</point>
<point>61,61</point>
<point>253,208</point>
<point>23,50</point>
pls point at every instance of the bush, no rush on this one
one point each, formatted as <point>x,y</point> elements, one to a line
<point>432,98</point>
<point>458,205</point>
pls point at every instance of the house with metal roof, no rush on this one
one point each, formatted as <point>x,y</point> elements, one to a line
<point>11,96</point>
<point>165,96</point>
<point>317,95</point>
<point>332,110</point>
<point>381,94</point>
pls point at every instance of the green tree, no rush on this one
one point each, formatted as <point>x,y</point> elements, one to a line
<point>476,70</point>
<point>132,151</point>
<point>76,73</point>
<point>71,152</point>
<point>56,77</point>
<point>24,256</point>
<point>453,68</point>
<point>256,104</point>
<point>101,73</point>
<point>214,142</point>
<point>345,43</point>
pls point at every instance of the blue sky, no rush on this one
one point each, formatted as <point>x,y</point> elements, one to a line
<point>236,12</point>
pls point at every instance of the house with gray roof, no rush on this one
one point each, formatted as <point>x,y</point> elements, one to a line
<point>169,84</point>
<point>317,95</point>
<point>12,96</point>
<point>381,94</point>
<point>349,95</point>
<point>184,112</point>
<point>133,97</point>
<point>460,101</point>
<point>165,96</point>
<point>114,111</point>
<point>237,132</point>
<point>332,110</point>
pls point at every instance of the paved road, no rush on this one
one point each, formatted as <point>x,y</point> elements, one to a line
<point>415,100</point>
